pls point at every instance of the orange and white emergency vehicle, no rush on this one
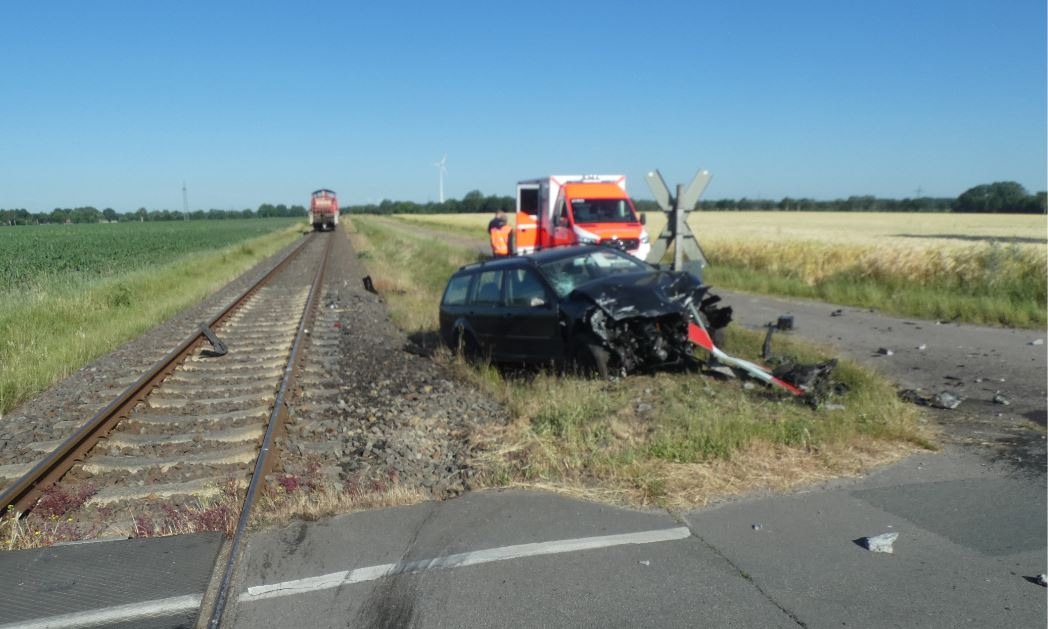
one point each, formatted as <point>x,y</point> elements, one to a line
<point>578,209</point>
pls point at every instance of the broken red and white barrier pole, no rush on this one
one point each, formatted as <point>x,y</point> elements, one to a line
<point>698,334</point>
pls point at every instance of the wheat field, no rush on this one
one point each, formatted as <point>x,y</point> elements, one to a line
<point>982,268</point>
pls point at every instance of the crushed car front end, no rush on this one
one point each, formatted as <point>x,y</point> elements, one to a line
<point>642,318</point>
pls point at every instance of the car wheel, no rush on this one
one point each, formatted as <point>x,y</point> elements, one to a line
<point>466,346</point>
<point>592,359</point>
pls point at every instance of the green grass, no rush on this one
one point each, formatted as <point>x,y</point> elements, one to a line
<point>640,438</point>
<point>61,323</point>
<point>414,270</point>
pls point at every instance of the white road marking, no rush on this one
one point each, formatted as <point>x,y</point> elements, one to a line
<point>112,615</point>
<point>371,573</point>
<point>190,602</point>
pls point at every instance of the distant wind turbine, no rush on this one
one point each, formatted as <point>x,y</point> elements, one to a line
<point>442,169</point>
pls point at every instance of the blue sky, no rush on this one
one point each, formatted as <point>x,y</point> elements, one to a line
<point>114,104</point>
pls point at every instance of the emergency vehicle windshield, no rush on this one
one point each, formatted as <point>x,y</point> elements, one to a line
<point>602,211</point>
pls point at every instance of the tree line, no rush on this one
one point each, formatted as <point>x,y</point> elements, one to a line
<point>1002,197</point>
<point>89,214</point>
<point>1005,197</point>
<point>474,202</point>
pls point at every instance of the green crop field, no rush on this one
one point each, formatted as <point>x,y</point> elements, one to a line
<point>70,293</point>
<point>33,257</point>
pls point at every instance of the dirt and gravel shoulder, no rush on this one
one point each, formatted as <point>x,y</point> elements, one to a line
<point>385,417</point>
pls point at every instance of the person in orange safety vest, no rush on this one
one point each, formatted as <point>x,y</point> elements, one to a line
<point>499,230</point>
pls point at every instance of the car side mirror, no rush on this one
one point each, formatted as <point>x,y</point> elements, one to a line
<point>643,218</point>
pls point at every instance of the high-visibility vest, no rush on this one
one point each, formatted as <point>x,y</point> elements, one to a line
<point>500,239</point>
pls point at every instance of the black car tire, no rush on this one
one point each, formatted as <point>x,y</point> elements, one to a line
<point>466,345</point>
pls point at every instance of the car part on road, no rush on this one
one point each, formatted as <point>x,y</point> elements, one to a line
<point>944,400</point>
<point>218,348</point>
<point>369,286</point>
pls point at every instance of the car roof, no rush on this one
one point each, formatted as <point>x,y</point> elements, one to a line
<point>532,259</point>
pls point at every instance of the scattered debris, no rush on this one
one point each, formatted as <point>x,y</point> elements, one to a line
<point>944,400</point>
<point>414,348</point>
<point>644,562</point>
<point>837,313</point>
<point>922,347</point>
<point>218,348</point>
<point>766,346</point>
<point>1037,342</point>
<point>879,543</point>
<point>807,378</point>
<point>720,370</point>
<point>998,398</point>
<point>369,286</point>
<point>756,526</point>
<point>884,351</point>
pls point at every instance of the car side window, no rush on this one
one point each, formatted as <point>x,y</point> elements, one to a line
<point>488,289</point>
<point>457,291</point>
<point>524,289</point>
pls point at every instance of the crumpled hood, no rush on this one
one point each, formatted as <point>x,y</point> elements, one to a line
<point>643,294</point>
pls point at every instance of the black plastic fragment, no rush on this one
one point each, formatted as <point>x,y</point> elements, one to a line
<point>218,348</point>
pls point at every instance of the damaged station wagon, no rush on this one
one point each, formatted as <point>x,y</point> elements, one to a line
<point>591,306</point>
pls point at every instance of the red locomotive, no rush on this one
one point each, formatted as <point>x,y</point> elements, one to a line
<point>323,210</point>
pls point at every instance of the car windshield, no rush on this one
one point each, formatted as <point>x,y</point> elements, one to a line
<point>565,274</point>
<point>602,211</point>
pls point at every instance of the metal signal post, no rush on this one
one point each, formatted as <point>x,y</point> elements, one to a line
<point>677,232</point>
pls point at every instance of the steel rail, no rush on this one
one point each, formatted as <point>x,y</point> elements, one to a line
<point>265,459</point>
<point>23,493</point>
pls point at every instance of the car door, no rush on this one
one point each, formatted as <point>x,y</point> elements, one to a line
<point>454,306</point>
<point>485,311</point>
<point>530,329</point>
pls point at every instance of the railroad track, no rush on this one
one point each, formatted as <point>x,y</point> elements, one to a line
<point>196,427</point>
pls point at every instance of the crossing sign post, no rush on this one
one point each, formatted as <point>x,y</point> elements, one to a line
<point>677,232</point>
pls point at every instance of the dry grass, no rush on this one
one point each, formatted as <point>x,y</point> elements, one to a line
<point>56,518</point>
<point>280,507</point>
<point>669,439</point>
<point>681,441</point>
<point>760,467</point>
